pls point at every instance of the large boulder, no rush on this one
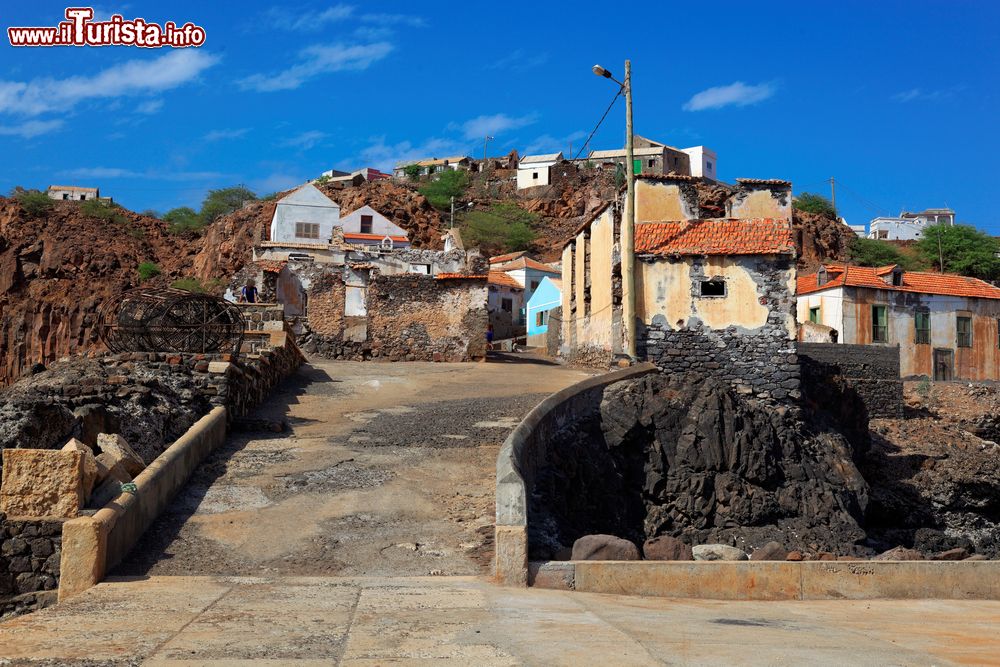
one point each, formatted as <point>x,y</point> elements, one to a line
<point>604,547</point>
<point>717,552</point>
<point>666,547</point>
<point>770,551</point>
<point>116,451</point>
<point>900,553</point>
<point>42,483</point>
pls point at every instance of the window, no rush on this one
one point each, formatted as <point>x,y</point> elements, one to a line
<point>65,195</point>
<point>534,175</point>
<point>963,331</point>
<point>708,165</point>
<point>814,314</point>
<point>307,230</point>
<point>507,305</point>
<point>713,288</point>
<point>83,197</point>
<point>880,324</point>
<point>534,285</point>
<point>897,278</point>
<point>922,324</point>
<point>366,224</point>
<point>651,163</point>
<point>540,319</point>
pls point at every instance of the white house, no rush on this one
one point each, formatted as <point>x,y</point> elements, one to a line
<point>909,226</point>
<point>526,272</point>
<point>72,193</point>
<point>535,170</point>
<point>366,226</point>
<point>704,163</point>
<point>306,216</point>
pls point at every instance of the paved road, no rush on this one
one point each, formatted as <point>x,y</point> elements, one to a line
<point>313,547</point>
<point>388,469</point>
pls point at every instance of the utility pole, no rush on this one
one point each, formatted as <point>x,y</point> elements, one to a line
<point>940,251</point>
<point>486,140</point>
<point>833,194</point>
<point>453,212</point>
<point>628,229</point>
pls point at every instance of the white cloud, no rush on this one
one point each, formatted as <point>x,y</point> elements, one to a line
<point>152,174</point>
<point>30,129</point>
<point>226,133</point>
<point>549,144</point>
<point>308,21</point>
<point>395,19</point>
<point>480,126</point>
<point>918,94</point>
<point>305,140</point>
<point>735,94</point>
<point>316,60</point>
<point>135,77</point>
<point>150,107</point>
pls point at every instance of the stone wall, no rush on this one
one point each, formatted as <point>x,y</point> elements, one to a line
<point>29,564</point>
<point>872,371</point>
<point>762,361</point>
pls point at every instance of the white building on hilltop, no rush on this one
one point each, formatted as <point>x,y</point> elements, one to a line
<point>909,226</point>
<point>704,163</point>
<point>535,170</point>
<point>305,216</point>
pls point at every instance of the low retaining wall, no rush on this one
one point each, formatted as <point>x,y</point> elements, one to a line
<point>29,563</point>
<point>872,371</point>
<point>524,451</point>
<point>777,580</point>
<point>91,546</point>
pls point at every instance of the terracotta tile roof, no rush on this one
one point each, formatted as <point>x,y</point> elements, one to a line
<point>501,278</point>
<point>945,284</point>
<point>375,237</point>
<point>763,181</point>
<point>722,236</point>
<point>509,257</point>
<point>666,177</point>
<point>460,276</point>
<point>270,265</point>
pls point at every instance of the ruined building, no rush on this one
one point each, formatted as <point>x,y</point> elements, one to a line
<point>712,295</point>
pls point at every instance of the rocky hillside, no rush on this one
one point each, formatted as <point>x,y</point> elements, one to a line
<point>57,269</point>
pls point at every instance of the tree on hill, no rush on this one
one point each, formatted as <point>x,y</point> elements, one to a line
<point>448,184</point>
<point>183,219</point>
<point>870,252</point>
<point>964,249</point>
<point>813,203</point>
<point>33,202</point>
<point>504,227</point>
<point>412,171</point>
<point>223,202</point>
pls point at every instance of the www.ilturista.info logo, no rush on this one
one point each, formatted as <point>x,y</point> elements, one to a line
<point>79,29</point>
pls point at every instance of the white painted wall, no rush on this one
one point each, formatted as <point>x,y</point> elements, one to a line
<point>896,229</point>
<point>831,309</point>
<point>381,225</point>
<point>704,163</point>
<point>534,174</point>
<point>307,204</point>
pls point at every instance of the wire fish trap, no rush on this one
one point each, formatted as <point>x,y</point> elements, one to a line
<point>171,320</point>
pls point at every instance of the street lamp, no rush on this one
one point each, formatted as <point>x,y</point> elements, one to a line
<point>628,229</point>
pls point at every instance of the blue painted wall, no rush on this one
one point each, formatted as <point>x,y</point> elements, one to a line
<point>544,299</point>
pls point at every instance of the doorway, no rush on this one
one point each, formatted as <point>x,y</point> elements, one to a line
<point>944,365</point>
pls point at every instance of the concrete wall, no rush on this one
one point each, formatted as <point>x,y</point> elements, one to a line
<point>93,545</point>
<point>524,453</point>
<point>870,370</point>
<point>770,580</point>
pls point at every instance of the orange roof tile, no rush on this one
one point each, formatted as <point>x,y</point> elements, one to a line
<point>527,263</point>
<point>460,276</point>
<point>375,237</point>
<point>945,284</point>
<point>756,236</point>
<point>501,278</point>
<point>509,257</point>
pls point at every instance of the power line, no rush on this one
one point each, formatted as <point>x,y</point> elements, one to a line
<point>596,127</point>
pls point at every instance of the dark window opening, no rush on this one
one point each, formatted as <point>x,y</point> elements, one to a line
<point>713,288</point>
<point>880,324</point>
<point>652,162</point>
<point>963,330</point>
<point>366,224</point>
<point>814,314</point>
<point>922,327</point>
<point>540,319</point>
<point>65,195</point>
<point>897,278</point>
<point>83,197</point>
<point>507,305</point>
<point>534,175</point>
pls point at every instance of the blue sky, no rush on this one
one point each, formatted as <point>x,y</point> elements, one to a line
<point>897,100</point>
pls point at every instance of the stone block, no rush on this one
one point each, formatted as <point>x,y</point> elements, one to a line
<point>220,367</point>
<point>42,482</point>
<point>116,446</point>
<point>90,468</point>
<point>717,552</point>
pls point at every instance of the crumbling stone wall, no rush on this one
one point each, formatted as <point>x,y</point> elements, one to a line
<point>421,318</point>
<point>870,370</point>
<point>29,564</point>
<point>762,362</point>
<point>326,293</point>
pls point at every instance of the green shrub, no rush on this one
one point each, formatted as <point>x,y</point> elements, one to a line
<point>148,270</point>
<point>504,227</point>
<point>869,252</point>
<point>812,203</point>
<point>189,285</point>
<point>33,202</point>
<point>448,184</point>
<point>412,171</point>
<point>322,180</point>
<point>183,219</point>
<point>965,250</point>
<point>102,210</point>
<point>223,202</point>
